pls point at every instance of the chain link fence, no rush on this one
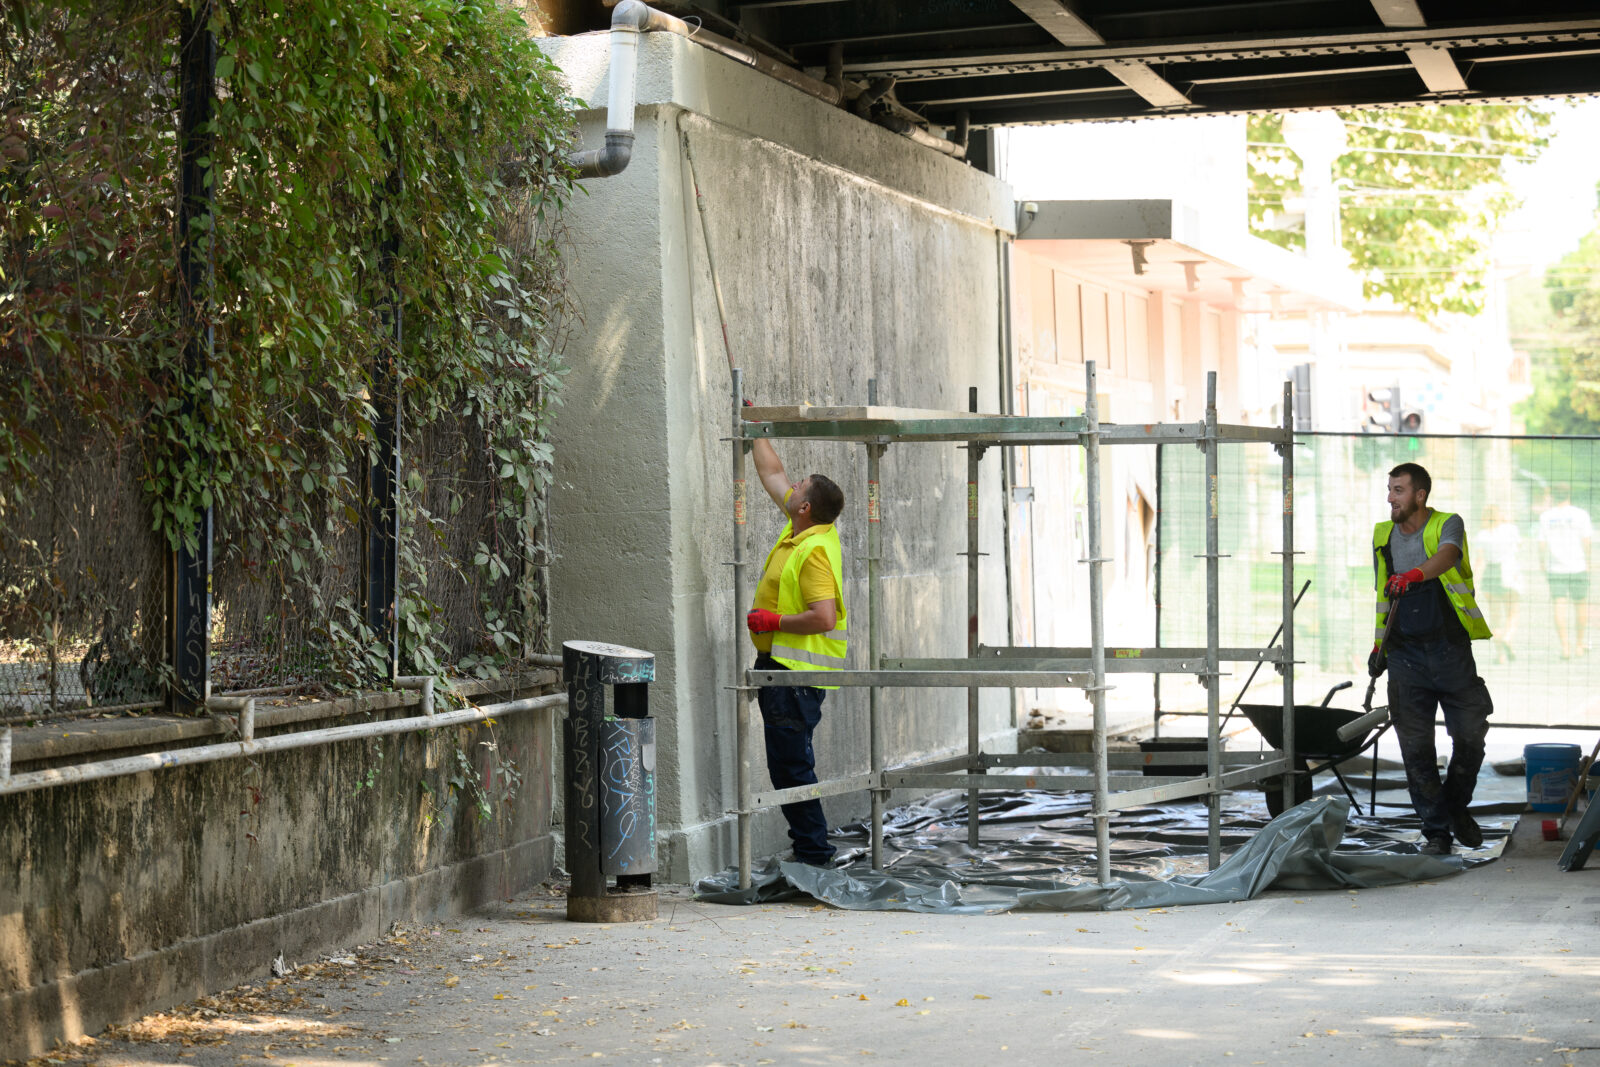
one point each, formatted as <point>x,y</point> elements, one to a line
<point>1541,666</point>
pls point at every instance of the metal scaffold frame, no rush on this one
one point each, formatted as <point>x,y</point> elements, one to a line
<point>1009,667</point>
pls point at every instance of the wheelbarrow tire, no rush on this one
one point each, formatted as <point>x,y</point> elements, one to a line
<point>1302,793</point>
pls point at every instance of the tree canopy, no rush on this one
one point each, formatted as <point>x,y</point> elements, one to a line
<point>1556,321</point>
<point>1421,192</point>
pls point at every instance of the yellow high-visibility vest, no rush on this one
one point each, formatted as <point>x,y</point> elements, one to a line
<point>810,652</point>
<point>1457,580</point>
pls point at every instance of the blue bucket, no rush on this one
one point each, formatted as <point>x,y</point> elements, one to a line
<point>1552,774</point>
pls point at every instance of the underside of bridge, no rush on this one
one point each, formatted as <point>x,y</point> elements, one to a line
<point>985,63</point>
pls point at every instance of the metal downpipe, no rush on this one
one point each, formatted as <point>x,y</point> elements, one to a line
<point>628,20</point>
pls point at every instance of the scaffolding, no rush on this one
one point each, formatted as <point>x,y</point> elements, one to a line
<point>1009,667</point>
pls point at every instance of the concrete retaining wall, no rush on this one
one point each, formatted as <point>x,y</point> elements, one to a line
<point>127,895</point>
<point>845,252</point>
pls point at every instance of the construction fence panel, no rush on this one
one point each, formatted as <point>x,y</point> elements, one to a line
<point>1506,489</point>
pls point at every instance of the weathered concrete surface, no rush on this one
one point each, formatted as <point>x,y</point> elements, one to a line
<point>1494,966</point>
<point>845,252</point>
<point>128,894</point>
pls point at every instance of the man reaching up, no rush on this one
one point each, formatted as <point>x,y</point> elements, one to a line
<point>798,623</point>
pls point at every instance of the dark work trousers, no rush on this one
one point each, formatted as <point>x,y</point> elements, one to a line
<point>789,715</point>
<point>1424,676</point>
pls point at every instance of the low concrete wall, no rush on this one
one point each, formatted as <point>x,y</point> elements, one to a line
<point>845,252</point>
<point>127,895</point>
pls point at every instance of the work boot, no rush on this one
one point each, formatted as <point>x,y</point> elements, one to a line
<point>1437,846</point>
<point>1466,828</point>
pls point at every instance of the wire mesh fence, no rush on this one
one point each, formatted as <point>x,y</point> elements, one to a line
<point>80,579</point>
<point>1526,503</point>
<point>84,581</point>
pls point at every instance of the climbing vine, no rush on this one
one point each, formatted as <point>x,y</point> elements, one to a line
<point>437,123</point>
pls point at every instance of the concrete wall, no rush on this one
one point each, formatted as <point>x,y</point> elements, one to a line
<point>845,252</point>
<point>127,895</point>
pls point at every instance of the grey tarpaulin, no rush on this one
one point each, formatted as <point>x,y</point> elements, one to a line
<point>1036,844</point>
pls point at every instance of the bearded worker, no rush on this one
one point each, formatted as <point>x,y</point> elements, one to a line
<point>797,622</point>
<point>1424,576</point>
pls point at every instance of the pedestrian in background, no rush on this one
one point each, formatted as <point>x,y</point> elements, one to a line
<point>1564,535</point>
<point>1500,571</point>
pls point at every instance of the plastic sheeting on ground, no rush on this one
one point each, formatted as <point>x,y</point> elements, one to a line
<point>1037,850</point>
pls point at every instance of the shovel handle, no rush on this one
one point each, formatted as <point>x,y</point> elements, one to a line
<point>1356,727</point>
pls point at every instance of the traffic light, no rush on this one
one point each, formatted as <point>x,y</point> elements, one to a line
<point>1411,421</point>
<point>1389,418</point>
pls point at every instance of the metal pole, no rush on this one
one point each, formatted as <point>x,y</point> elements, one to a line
<point>1213,636</point>
<point>874,638</point>
<point>155,761</point>
<point>1288,594</point>
<point>382,514</point>
<point>189,567</point>
<point>741,604</point>
<point>1101,813</point>
<point>974,453</point>
<point>711,259</point>
<point>1155,679</point>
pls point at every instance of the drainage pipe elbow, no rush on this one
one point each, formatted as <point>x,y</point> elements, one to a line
<point>628,19</point>
<point>604,162</point>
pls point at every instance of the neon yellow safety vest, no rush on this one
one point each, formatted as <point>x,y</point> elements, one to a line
<point>1457,580</point>
<point>810,652</point>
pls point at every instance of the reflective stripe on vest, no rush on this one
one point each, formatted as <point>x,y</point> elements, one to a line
<point>1457,581</point>
<point>826,651</point>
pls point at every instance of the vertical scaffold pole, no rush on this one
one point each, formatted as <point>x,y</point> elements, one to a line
<point>1288,592</point>
<point>1101,814</point>
<point>741,603</point>
<point>874,638</point>
<point>974,454</point>
<point>1213,637</point>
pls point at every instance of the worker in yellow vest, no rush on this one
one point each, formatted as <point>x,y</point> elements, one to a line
<point>1424,575</point>
<point>797,622</point>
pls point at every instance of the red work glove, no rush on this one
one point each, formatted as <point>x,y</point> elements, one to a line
<point>1399,583</point>
<point>762,621</point>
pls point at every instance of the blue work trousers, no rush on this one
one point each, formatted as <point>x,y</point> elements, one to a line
<point>1424,677</point>
<point>789,716</point>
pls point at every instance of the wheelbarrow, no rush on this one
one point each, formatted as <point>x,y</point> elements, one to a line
<point>1316,740</point>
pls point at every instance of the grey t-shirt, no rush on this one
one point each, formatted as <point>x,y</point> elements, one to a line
<point>1422,611</point>
<point>1407,550</point>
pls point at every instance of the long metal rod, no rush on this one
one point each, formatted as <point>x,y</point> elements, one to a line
<point>1140,790</point>
<point>974,745</point>
<point>1101,812</point>
<point>874,634</point>
<point>924,679</point>
<point>711,260</point>
<point>741,604</point>
<point>772,798</point>
<point>153,761</point>
<point>1289,599</point>
<point>189,565</point>
<point>1280,661</point>
<point>1213,630</point>
<point>1155,680</point>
